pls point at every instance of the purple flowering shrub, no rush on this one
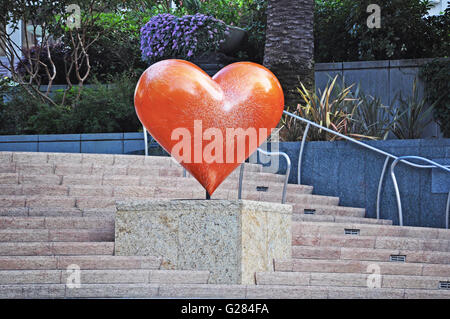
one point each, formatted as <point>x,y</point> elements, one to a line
<point>168,36</point>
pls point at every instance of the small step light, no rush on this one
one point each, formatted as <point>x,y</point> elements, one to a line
<point>309,211</point>
<point>262,188</point>
<point>397,258</point>
<point>444,285</point>
<point>352,231</point>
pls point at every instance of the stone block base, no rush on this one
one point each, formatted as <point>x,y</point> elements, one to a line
<point>231,239</point>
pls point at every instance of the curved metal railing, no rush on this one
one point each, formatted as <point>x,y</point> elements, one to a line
<point>397,192</point>
<point>389,156</point>
<point>286,179</point>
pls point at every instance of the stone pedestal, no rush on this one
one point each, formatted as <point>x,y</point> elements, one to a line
<point>231,239</point>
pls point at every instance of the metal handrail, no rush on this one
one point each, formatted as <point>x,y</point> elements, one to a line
<point>288,172</point>
<point>353,140</point>
<point>397,192</point>
<point>374,149</point>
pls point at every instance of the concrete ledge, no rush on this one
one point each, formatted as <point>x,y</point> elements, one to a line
<point>106,143</point>
<point>231,239</point>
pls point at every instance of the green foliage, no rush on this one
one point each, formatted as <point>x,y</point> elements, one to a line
<point>370,117</point>
<point>347,110</point>
<point>436,76</point>
<point>100,109</point>
<point>256,25</point>
<point>229,11</point>
<point>332,39</point>
<point>342,34</point>
<point>335,108</point>
<point>373,118</point>
<point>413,115</point>
<point>117,49</point>
<point>16,110</point>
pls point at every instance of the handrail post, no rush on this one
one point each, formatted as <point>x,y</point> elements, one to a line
<point>397,193</point>
<point>286,180</point>
<point>145,141</point>
<point>447,211</point>
<point>300,154</point>
<point>241,176</point>
<point>380,185</point>
<point>288,170</point>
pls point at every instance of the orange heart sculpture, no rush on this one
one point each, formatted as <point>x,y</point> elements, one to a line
<point>209,125</point>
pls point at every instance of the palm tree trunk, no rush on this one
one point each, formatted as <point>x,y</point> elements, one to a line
<point>289,50</point>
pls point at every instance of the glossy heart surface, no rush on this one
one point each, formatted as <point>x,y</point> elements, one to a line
<point>209,125</point>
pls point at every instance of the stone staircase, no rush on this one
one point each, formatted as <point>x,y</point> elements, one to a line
<point>57,210</point>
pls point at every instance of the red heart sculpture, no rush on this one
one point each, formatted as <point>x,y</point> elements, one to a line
<point>190,114</point>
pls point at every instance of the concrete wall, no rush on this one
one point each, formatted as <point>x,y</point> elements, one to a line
<point>108,143</point>
<point>383,79</point>
<point>351,172</point>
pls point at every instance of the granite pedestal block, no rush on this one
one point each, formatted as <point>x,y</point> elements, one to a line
<point>231,239</point>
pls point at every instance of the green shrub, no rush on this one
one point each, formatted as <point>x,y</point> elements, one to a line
<point>100,109</point>
<point>117,49</point>
<point>16,111</point>
<point>412,115</point>
<point>332,39</point>
<point>106,109</point>
<point>342,34</point>
<point>436,76</point>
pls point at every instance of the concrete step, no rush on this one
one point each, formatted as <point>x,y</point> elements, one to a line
<point>150,185</point>
<point>313,228</point>
<point>165,178</point>
<point>102,276</point>
<point>56,248</point>
<point>84,262</point>
<point>300,217</point>
<point>56,235</point>
<point>369,254</point>
<point>125,167</point>
<point>348,280</point>
<point>193,291</point>
<point>57,223</point>
<point>377,242</point>
<point>95,159</point>
<point>112,178</point>
<point>333,210</point>
<point>130,193</point>
<point>361,267</point>
<point>69,212</point>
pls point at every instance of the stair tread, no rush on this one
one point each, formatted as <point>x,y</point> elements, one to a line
<point>349,280</point>
<point>57,235</point>
<point>55,248</point>
<point>300,217</point>
<point>40,222</point>
<point>368,229</point>
<point>105,276</point>
<point>85,262</point>
<point>376,242</point>
<point>368,254</point>
<point>210,291</point>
